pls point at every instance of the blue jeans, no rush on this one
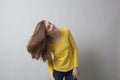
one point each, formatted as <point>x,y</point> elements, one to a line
<point>60,75</point>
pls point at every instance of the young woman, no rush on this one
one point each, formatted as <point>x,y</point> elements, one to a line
<point>57,47</point>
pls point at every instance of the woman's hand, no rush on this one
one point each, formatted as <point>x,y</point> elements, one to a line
<point>52,77</point>
<point>75,72</point>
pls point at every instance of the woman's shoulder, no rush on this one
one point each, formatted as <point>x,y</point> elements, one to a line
<point>64,28</point>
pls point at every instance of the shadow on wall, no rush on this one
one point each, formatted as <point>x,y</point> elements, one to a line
<point>89,64</point>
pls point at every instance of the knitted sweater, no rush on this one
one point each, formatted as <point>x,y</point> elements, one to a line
<point>65,53</point>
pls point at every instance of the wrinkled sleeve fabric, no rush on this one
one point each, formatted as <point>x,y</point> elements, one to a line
<point>50,65</point>
<point>74,48</point>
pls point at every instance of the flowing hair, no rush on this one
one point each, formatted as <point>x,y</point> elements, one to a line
<point>38,44</point>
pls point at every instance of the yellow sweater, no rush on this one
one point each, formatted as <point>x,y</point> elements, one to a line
<point>65,53</point>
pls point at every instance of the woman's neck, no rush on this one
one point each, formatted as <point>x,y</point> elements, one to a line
<point>56,34</point>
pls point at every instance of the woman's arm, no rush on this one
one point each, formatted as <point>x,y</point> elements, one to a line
<point>50,65</point>
<point>75,54</point>
<point>74,47</point>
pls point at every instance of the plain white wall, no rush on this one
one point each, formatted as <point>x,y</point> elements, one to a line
<point>95,25</point>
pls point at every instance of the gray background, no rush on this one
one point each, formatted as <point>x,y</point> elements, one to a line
<point>95,25</point>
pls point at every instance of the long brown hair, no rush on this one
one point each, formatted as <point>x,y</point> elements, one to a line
<point>38,43</point>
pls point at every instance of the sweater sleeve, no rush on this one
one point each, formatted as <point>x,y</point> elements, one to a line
<point>50,66</point>
<point>74,48</point>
